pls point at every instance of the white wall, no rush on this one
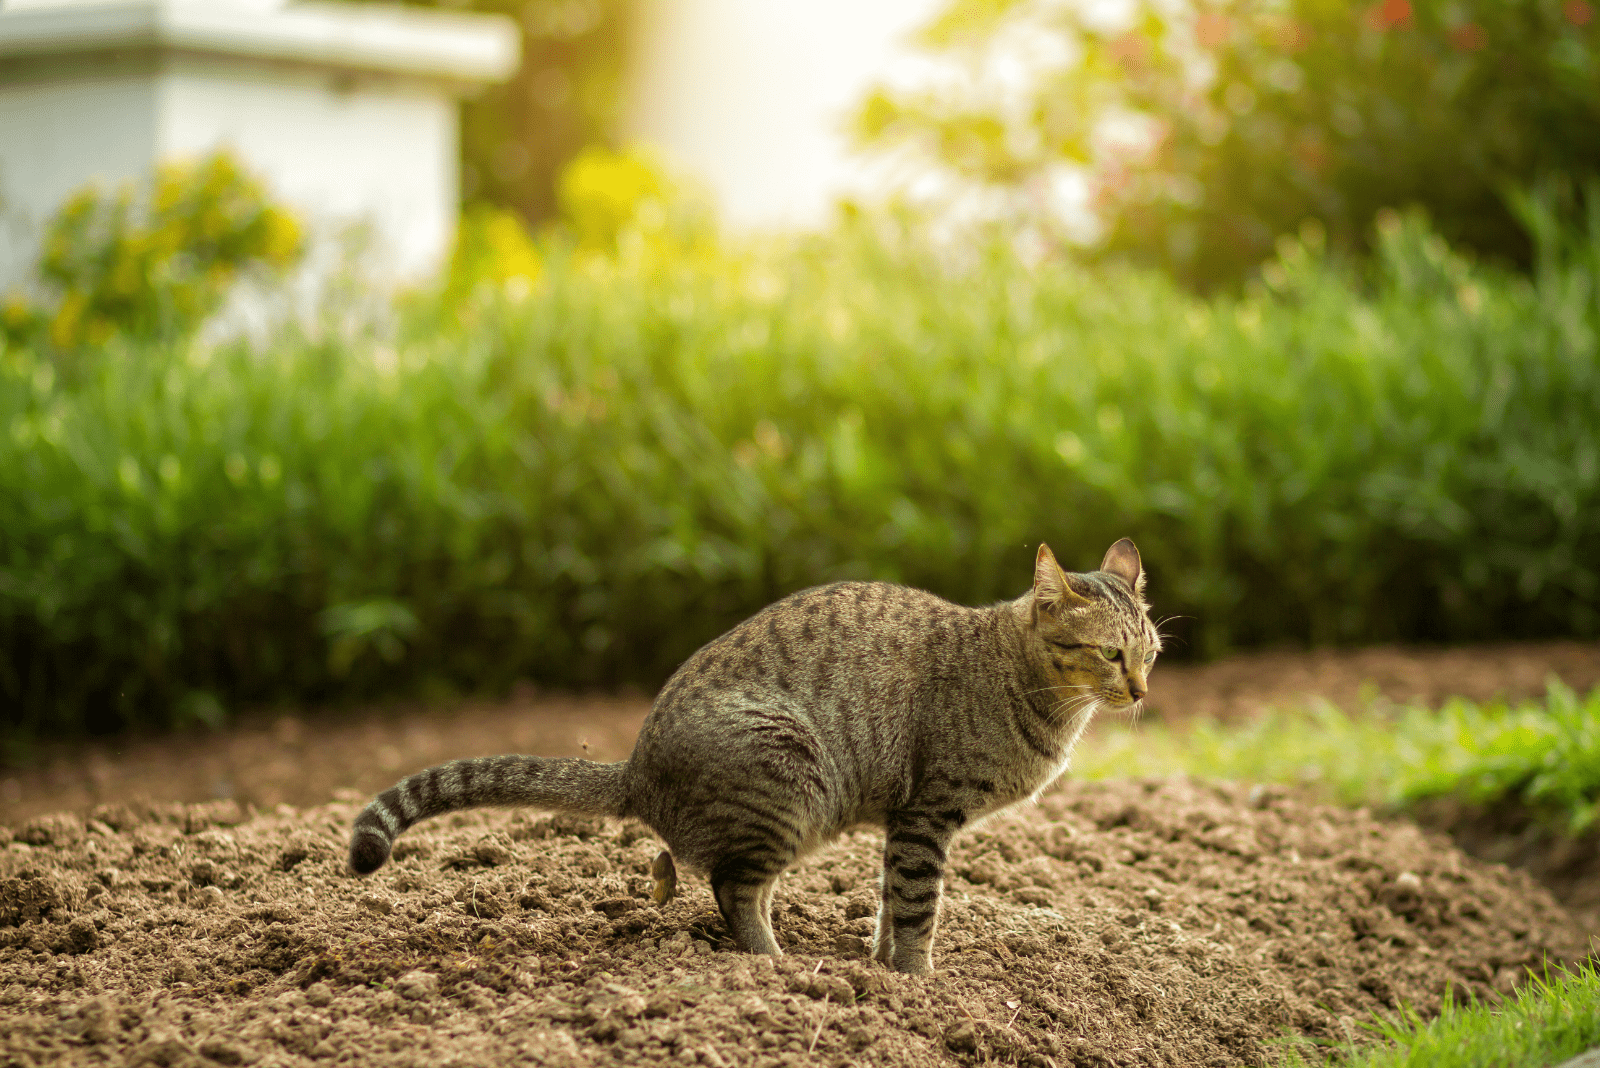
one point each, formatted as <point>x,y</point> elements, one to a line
<point>335,154</point>
<point>55,138</point>
<point>753,95</point>
<point>348,111</point>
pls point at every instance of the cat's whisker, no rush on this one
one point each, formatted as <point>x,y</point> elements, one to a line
<point>1057,686</point>
<point>1076,703</point>
<point>1056,713</point>
<point>1082,715</point>
<point>1050,716</point>
<point>1163,635</point>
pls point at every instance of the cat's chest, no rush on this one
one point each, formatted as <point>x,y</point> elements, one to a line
<point>1023,779</point>
<point>981,792</point>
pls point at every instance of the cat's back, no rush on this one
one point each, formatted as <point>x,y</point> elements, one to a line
<point>814,691</point>
<point>814,644</point>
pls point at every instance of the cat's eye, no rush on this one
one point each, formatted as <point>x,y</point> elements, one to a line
<point>1150,659</point>
<point>1110,652</point>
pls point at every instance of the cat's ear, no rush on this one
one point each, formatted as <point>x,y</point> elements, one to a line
<point>1122,560</point>
<point>1050,589</point>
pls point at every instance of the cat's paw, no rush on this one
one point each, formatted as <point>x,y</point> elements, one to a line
<point>917,964</point>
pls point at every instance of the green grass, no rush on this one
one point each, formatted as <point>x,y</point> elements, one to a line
<point>1541,754</point>
<point>579,479</point>
<point>1551,1018</point>
<point>1544,755</point>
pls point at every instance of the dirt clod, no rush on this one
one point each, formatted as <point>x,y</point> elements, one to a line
<point>1156,923</point>
<point>60,828</point>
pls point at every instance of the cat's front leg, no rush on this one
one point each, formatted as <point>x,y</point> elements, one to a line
<point>913,878</point>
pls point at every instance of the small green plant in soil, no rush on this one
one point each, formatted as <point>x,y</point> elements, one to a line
<point>1551,1018</point>
<point>1544,755</point>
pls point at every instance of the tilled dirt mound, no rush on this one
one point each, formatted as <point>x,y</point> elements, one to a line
<point>1160,923</point>
<point>1536,841</point>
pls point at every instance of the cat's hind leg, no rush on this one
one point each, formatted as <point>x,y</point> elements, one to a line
<point>743,887</point>
<point>764,903</point>
<point>883,939</point>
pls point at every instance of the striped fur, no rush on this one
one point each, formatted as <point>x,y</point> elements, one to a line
<point>841,706</point>
<point>535,782</point>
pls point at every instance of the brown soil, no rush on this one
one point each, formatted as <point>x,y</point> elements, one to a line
<point>1566,864</point>
<point>1115,924</point>
<point>1158,923</point>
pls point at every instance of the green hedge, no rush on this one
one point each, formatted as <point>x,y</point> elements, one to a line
<point>579,478</point>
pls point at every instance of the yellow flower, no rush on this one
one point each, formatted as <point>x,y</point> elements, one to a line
<point>602,192</point>
<point>119,260</point>
<point>280,241</point>
<point>16,311</point>
<point>493,246</point>
<point>66,326</point>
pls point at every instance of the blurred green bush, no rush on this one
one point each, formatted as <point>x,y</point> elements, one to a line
<point>1209,128</point>
<point>582,465</point>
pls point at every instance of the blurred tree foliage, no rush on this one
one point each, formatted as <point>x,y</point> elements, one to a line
<point>1210,128</point>
<point>516,138</point>
<point>602,192</point>
<point>609,199</point>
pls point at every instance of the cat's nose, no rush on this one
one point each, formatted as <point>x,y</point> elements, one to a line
<point>1137,689</point>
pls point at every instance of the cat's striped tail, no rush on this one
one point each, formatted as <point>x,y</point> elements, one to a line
<point>563,784</point>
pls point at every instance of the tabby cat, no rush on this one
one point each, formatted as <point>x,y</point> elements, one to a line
<point>857,703</point>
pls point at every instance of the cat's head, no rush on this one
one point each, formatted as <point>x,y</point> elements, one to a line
<point>1091,632</point>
